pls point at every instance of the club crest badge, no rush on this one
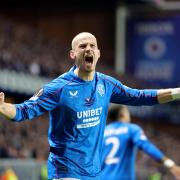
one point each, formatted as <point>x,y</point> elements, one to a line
<point>100,89</point>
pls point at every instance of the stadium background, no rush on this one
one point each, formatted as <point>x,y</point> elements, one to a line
<point>35,38</point>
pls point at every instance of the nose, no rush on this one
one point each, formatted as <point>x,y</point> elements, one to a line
<point>88,47</point>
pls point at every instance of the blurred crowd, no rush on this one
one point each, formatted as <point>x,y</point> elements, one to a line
<point>25,49</point>
<point>27,139</point>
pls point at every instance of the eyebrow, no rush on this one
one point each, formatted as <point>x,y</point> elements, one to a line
<point>84,43</point>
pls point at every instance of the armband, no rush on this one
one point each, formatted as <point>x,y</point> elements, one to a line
<point>175,93</point>
<point>168,163</point>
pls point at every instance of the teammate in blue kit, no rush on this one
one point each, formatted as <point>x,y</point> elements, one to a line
<point>122,139</point>
<point>77,102</point>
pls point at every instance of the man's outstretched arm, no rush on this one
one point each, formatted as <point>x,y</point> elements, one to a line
<point>121,94</point>
<point>167,95</point>
<point>45,100</point>
<point>6,109</point>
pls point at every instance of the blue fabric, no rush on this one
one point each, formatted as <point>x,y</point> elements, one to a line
<point>121,142</point>
<point>78,111</point>
<point>56,169</point>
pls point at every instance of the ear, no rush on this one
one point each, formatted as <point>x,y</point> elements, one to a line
<point>72,54</point>
<point>99,53</point>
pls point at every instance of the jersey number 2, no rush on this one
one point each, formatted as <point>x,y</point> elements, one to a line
<point>111,157</point>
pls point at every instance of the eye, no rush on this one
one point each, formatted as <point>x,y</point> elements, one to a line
<point>93,46</point>
<point>82,46</point>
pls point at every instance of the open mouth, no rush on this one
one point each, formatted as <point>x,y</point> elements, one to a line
<point>89,59</point>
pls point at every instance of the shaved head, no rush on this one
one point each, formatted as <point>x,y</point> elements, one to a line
<point>81,36</point>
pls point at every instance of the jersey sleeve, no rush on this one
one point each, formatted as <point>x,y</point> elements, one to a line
<point>141,141</point>
<point>44,100</point>
<point>122,94</point>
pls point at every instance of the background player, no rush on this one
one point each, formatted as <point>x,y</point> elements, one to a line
<point>122,139</point>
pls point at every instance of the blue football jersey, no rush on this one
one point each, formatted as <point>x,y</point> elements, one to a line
<point>78,111</point>
<point>121,141</point>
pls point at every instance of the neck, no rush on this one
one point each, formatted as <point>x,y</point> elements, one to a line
<point>124,120</point>
<point>87,76</point>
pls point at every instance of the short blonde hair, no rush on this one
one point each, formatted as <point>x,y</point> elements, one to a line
<point>80,35</point>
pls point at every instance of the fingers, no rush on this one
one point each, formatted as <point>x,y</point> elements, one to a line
<point>1,94</point>
<point>1,97</point>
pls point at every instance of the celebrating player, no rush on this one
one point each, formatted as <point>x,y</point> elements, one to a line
<point>77,102</point>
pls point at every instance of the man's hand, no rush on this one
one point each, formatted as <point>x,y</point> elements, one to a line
<point>2,98</point>
<point>175,170</point>
<point>6,109</point>
<point>167,95</point>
